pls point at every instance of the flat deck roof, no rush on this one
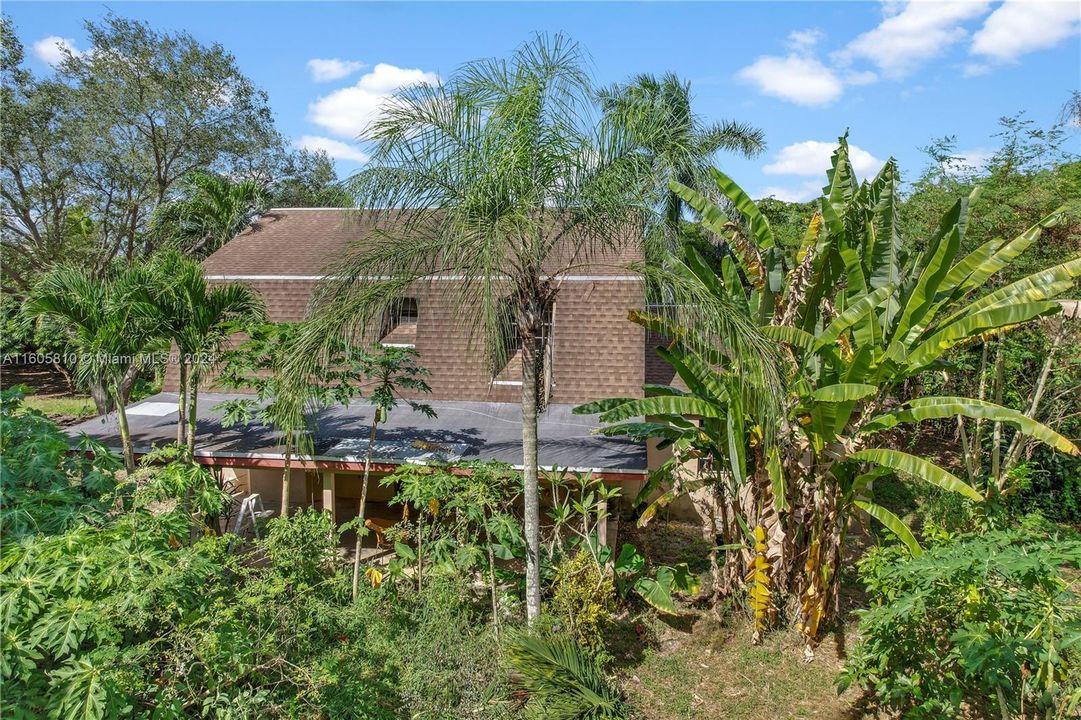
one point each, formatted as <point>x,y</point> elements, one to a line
<point>461,431</point>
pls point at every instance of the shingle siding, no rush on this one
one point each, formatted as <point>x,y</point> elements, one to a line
<point>596,351</point>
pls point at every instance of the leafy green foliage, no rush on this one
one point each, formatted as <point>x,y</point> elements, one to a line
<point>656,113</point>
<point>858,316</point>
<point>116,597</point>
<point>309,180</point>
<point>458,522</point>
<point>563,682</point>
<point>283,401</point>
<point>131,118</point>
<point>985,621</point>
<point>583,596</point>
<point>210,211</point>
<point>45,489</point>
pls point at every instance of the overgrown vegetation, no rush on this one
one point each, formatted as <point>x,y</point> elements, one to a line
<point>987,623</point>
<point>828,353</point>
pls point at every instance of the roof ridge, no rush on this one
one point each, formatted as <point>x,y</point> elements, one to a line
<point>307,208</point>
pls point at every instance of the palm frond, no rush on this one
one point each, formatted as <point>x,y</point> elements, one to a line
<point>564,683</point>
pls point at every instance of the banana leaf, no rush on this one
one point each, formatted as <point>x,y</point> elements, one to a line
<point>918,467</point>
<point>893,523</point>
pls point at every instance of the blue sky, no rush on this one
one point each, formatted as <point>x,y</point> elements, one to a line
<point>897,74</point>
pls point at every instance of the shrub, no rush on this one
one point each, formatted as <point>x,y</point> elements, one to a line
<point>448,658</point>
<point>45,488</point>
<point>582,597</point>
<point>303,547</point>
<point>110,609</point>
<point>983,621</point>
<point>1052,487</point>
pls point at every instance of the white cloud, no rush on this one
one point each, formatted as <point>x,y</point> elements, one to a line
<point>975,70</point>
<point>348,112</point>
<point>799,79</point>
<point>804,40</point>
<point>812,157</point>
<point>802,193</point>
<point>336,149</point>
<point>333,69</point>
<point>1016,28</point>
<point>912,35</point>
<point>50,50</point>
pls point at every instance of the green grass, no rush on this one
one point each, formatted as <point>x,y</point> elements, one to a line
<point>63,409</point>
<point>695,667</point>
<point>715,671</point>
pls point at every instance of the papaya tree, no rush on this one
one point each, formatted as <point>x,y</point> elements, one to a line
<point>855,317</point>
<point>284,401</point>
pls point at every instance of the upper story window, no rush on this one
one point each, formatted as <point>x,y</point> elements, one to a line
<point>400,323</point>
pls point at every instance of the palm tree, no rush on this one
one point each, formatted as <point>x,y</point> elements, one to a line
<point>504,177</point>
<point>211,213</point>
<point>115,329</point>
<point>678,145</point>
<point>197,317</point>
<point>508,178</point>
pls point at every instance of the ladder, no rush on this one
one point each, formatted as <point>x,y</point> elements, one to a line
<point>251,512</point>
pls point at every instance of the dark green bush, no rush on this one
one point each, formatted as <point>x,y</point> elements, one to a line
<point>303,547</point>
<point>109,609</point>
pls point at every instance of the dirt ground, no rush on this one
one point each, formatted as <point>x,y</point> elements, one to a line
<point>41,380</point>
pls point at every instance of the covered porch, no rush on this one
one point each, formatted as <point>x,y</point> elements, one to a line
<point>250,459</point>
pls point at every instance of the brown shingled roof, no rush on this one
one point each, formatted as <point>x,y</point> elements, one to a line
<point>289,241</point>
<point>303,241</point>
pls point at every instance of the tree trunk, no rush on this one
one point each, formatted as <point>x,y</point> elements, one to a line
<point>286,478</point>
<point>362,502</point>
<point>531,497</point>
<point>996,434</point>
<point>1017,445</point>
<point>101,397</point>
<point>182,403</point>
<point>193,412</point>
<point>125,434</point>
<point>59,367</point>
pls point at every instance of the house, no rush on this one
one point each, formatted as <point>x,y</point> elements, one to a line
<point>592,352</point>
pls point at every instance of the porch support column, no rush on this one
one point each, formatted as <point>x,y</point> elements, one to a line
<point>329,493</point>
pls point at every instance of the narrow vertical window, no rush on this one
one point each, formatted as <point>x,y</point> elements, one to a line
<point>400,323</point>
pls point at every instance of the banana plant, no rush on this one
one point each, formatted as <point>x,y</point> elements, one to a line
<point>853,318</point>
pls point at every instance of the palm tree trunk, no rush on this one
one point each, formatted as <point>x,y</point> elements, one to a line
<point>362,502</point>
<point>182,403</point>
<point>100,395</point>
<point>125,433</point>
<point>193,414</point>
<point>531,498</point>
